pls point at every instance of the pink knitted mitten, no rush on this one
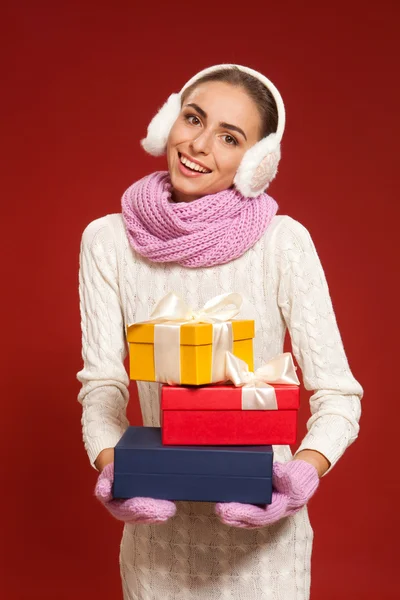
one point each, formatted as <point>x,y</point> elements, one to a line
<point>134,510</point>
<point>293,483</point>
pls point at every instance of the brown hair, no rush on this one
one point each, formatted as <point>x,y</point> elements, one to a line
<point>257,91</point>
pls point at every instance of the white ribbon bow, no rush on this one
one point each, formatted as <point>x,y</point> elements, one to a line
<point>173,308</point>
<point>257,394</point>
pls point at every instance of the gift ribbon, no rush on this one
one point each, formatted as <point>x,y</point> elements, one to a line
<point>257,394</point>
<point>171,312</point>
<point>172,308</point>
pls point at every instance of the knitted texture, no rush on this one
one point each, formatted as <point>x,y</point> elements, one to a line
<point>293,485</point>
<point>209,231</point>
<point>133,510</point>
<point>193,556</point>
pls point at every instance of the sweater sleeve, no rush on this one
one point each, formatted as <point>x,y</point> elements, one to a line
<point>104,393</point>
<point>306,306</point>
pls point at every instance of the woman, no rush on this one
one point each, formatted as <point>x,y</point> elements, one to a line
<point>204,228</point>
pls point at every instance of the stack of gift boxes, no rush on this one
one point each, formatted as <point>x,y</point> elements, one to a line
<point>215,440</point>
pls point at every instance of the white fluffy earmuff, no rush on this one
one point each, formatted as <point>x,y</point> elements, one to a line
<point>259,164</point>
<point>155,142</point>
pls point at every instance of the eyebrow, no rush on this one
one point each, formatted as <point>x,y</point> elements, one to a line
<point>223,124</point>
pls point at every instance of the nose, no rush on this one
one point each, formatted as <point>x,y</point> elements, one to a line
<point>201,143</point>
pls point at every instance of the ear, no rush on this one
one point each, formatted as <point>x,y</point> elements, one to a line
<point>258,167</point>
<point>158,131</point>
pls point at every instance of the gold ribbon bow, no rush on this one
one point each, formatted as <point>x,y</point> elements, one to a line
<point>257,394</point>
<point>171,312</point>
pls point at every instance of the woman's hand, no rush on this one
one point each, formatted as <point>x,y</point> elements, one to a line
<point>133,510</point>
<point>293,483</point>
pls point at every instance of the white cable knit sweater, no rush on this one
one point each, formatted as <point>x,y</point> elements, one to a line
<point>193,556</point>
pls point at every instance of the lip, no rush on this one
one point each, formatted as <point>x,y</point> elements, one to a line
<point>197,162</point>
<point>188,172</point>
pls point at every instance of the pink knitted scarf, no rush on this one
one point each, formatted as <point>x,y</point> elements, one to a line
<point>212,230</point>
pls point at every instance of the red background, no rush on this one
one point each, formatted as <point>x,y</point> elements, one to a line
<point>80,81</point>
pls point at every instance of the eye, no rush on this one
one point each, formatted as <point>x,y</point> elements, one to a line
<point>192,119</point>
<point>230,140</point>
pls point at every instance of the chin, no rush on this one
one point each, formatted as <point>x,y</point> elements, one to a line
<point>197,188</point>
<point>189,188</point>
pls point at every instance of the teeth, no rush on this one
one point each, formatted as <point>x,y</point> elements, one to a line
<point>192,165</point>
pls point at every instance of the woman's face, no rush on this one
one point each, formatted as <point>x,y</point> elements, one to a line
<point>218,122</point>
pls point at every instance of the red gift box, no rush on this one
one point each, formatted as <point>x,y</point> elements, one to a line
<point>213,415</point>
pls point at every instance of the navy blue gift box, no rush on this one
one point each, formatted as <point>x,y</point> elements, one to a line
<point>144,467</point>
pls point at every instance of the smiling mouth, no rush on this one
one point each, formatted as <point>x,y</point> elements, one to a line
<point>191,165</point>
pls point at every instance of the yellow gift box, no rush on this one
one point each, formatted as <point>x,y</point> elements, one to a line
<point>185,347</point>
<point>196,350</point>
